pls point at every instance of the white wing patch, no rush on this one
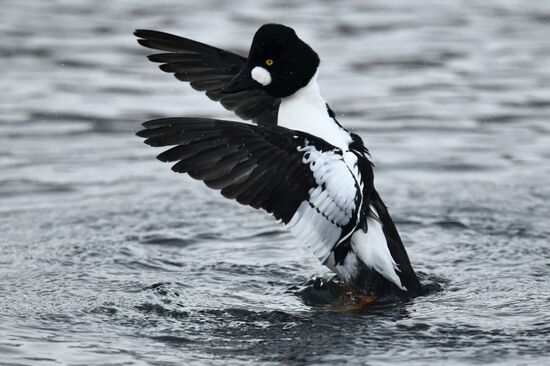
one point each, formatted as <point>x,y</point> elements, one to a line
<point>330,206</point>
<point>372,248</point>
<point>315,230</point>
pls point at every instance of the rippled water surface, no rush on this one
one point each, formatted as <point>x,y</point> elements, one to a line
<point>109,258</point>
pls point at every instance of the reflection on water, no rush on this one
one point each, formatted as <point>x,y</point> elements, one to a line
<point>107,257</point>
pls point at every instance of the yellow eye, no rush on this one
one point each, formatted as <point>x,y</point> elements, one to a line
<point>269,62</point>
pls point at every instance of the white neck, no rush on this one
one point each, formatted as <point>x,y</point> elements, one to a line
<point>306,111</point>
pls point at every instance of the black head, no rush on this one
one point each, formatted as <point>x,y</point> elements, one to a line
<point>279,63</point>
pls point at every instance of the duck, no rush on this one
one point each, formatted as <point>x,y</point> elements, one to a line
<point>289,156</point>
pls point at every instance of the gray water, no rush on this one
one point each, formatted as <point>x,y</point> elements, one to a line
<point>109,258</point>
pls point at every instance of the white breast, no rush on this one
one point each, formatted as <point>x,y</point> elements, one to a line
<point>306,111</point>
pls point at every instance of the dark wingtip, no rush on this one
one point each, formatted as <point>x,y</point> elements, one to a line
<point>152,142</point>
<point>166,157</point>
<point>150,127</point>
<point>145,43</point>
<point>166,67</point>
<point>143,33</point>
<point>155,57</point>
<point>142,133</point>
<point>160,122</point>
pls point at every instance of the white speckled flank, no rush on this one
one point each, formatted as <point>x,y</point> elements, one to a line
<point>372,248</point>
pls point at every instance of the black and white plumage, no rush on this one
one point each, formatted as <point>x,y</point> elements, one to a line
<point>209,69</point>
<point>300,179</point>
<point>298,163</point>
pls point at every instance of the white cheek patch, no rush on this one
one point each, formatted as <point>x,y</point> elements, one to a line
<point>261,75</point>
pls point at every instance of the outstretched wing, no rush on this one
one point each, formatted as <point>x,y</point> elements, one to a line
<point>208,69</point>
<point>301,179</point>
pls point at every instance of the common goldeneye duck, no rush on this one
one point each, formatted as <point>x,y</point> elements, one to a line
<point>297,162</point>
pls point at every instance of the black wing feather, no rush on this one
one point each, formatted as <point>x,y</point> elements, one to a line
<point>208,69</point>
<point>256,165</point>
